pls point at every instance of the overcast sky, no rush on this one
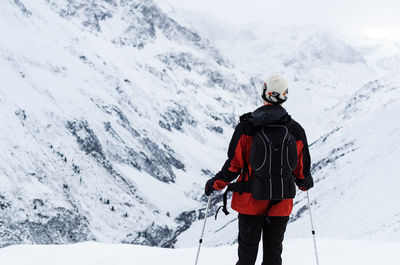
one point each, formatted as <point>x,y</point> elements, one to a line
<point>375,17</point>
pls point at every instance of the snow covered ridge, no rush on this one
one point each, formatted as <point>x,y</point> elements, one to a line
<point>114,115</point>
<point>351,165</point>
<point>322,49</point>
<point>139,22</point>
<point>295,252</point>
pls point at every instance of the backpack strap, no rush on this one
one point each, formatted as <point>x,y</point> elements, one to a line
<point>271,203</point>
<point>223,206</point>
<point>245,117</point>
<point>225,201</point>
<point>241,186</point>
<point>287,121</point>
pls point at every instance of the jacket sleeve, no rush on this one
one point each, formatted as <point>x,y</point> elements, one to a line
<point>234,164</point>
<point>302,172</point>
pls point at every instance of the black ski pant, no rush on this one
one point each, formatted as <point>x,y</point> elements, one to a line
<point>250,229</point>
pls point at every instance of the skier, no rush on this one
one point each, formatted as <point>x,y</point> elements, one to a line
<point>259,213</point>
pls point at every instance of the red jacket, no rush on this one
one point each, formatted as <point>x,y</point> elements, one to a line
<point>238,158</point>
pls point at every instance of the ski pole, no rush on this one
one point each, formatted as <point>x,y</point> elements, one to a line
<point>312,228</point>
<point>204,226</point>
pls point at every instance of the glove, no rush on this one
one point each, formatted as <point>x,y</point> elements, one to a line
<point>305,184</point>
<point>208,189</point>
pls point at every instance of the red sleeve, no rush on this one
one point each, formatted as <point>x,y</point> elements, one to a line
<point>299,172</point>
<point>233,167</point>
<point>238,153</point>
<point>237,162</point>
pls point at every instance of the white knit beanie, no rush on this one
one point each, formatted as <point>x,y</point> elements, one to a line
<point>275,90</point>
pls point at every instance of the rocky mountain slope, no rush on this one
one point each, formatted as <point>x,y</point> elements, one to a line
<point>114,114</point>
<point>113,117</point>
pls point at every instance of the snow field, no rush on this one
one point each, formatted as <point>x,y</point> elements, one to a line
<point>296,252</point>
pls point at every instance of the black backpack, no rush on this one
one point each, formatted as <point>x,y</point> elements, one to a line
<point>273,158</point>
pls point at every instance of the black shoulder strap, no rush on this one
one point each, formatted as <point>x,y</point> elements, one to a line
<point>242,186</point>
<point>287,121</point>
<point>245,117</point>
<point>225,202</point>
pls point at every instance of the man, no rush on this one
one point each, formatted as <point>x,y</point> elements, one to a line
<point>268,217</point>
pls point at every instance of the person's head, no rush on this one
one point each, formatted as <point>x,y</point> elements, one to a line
<point>275,90</point>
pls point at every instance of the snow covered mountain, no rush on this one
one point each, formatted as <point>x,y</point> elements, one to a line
<point>114,115</point>
<point>346,94</point>
<point>116,112</point>
<point>322,49</point>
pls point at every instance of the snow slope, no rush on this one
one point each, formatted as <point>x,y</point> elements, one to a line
<point>296,252</point>
<point>113,116</point>
<point>345,92</point>
<point>115,113</point>
<point>356,170</point>
<point>356,176</point>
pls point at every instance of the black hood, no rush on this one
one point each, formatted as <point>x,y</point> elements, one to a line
<point>268,114</point>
